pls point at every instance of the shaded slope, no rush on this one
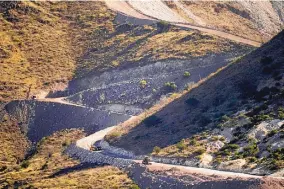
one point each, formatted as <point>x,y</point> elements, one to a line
<point>233,89</point>
<point>40,119</point>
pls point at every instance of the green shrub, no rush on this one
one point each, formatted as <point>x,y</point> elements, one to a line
<point>170,85</point>
<point>113,135</point>
<point>25,164</point>
<point>215,138</point>
<point>186,74</point>
<point>134,186</point>
<point>66,142</point>
<point>278,154</point>
<point>200,151</point>
<point>281,113</point>
<point>152,120</point>
<point>45,166</point>
<point>238,156</point>
<point>181,145</point>
<point>3,168</point>
<point>272,133</point>
<point>218,160</point>
<point>233,146</point>
<point>143,83</point>
<point>156,149</point>
<point>250,150</point>
<point>225,118</point>
<point>228,149</point>
<point>193,142</point>
<point>262,117</point>
<point>252,159</point>
<point>163,26</point>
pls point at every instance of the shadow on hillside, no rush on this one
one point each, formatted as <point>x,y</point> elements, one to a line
<point>176,121</point>
<point>80,167</point>
<point>231,90</point>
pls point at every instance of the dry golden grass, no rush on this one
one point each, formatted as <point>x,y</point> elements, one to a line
<point>49,43</point>
<point>216,14</point>
<point>37,51</point>
<point>13,143</point>
<point>181,45</point>
<point>41,46</point>
<point>49,159</point>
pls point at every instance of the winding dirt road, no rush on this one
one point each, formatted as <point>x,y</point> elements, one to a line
<point>87,142</point>
<point>158,10</point>
<point>59,100</point>
<point>90,140</point>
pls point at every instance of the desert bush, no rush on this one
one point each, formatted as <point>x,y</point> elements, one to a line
<point>170,85</point>
<point>261,117</point>
<point>3,168</point>
<point>225,118</point>
<point>280,113</point>
<point>152,120</point>
<point>186,74</point>
<point>163,26</point>
<point>215,138</point>
<point>181,145</point>
<point>228,149</point>
<point>134,186</point>
<point>237,156</point>
<point>156,149</point>
<point>252,159</point>
<point>200,151</point>
<point>231,147</point>
<point>250,150</point>
<point>278,154</point>
<point>45,166</point>
<point>218,160</point>
<point>272,133</point>
<point>66,142</point>
<point>25,164</point>
<point>193,142</point>
<point>143,83</point>
<point>113,135</point>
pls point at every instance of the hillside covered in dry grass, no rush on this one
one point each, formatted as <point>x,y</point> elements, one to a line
<point>46,44</point>
<point>48,167</point>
